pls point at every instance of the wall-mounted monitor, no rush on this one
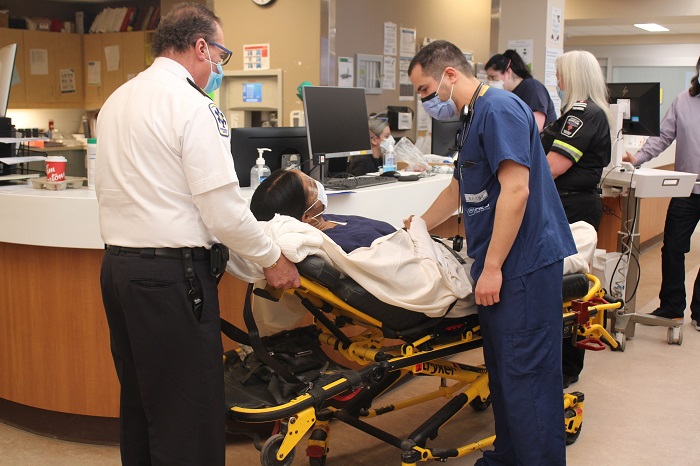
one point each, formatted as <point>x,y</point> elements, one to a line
<point>336,124</point>
<point>644,103</point>
<point>443,136</point>
<point>284,143</point>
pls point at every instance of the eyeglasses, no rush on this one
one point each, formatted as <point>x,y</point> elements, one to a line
<point>225,58</point>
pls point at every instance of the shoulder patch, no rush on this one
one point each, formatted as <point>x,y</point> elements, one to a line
<point>579,106</point>
<point>220,119</point>
<point>571,126</point>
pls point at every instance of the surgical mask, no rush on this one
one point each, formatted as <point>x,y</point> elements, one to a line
<point>496,84</point>
<point>215,77</point>
<point>438,109</point>
<point>561,93</point>
<point>322,198</point>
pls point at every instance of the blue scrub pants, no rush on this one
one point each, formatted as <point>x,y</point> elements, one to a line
<point>522,348</point>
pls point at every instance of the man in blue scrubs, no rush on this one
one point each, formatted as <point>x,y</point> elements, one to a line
<point>517,233</point>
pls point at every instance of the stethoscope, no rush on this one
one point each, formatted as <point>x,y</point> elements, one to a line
<point>462,135</point>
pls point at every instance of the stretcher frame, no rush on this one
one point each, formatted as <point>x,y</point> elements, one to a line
<point>583,321</point>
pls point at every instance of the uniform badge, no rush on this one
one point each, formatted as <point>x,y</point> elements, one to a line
<point>571,126</point>
<point>220,120</point>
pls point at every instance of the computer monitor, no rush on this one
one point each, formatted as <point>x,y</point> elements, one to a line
<point>336,124</point>
<point>7,65</point>
<point>443,136</point>
<point>644,104</point>
<point>282,142</point>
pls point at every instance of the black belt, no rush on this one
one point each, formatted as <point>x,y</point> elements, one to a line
<point>198,254</point>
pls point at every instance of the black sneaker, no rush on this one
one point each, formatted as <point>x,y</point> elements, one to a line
<point>569,379</point>
<point>665,313</point>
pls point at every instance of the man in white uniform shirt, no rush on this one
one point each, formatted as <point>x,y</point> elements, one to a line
<point>168,193</point>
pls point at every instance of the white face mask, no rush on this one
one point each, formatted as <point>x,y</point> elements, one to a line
<point>496,84</point>
<point>322,197</point>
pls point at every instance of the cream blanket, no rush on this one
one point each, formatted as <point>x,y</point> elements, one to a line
<point>405,269</point>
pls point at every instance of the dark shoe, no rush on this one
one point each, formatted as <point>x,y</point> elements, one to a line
<point>569,379</point>
<point>666,314</point>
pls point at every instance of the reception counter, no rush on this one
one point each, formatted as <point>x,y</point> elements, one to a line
<point>54,340</point>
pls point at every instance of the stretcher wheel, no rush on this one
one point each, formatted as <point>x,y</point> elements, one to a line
<point>571,437</point>
<point>674,335</point>
<point>268,454</point>
<point>479,405</point>
<point>621,339</point>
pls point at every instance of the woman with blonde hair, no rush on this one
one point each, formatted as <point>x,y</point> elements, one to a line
<point>578,147</point>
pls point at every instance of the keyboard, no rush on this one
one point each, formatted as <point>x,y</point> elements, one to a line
<point>354,182</point>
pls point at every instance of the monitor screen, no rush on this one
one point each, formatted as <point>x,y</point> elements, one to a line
<point>7,64</point>
<point>336,123</point>
<point>443,136</point>
<point>284,143</point>
<point>644,103</point>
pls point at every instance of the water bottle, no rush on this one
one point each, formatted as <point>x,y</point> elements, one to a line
<point>260,171</point>
<point>91,158</point>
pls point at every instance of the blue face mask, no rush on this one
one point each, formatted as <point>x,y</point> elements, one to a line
<point>561,93</point>
<point>438,109</point>
<point>215,77</point>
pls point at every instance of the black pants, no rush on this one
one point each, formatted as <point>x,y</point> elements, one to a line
<point>586,207</point>
<point>172,409</point>
<point>681,219</point>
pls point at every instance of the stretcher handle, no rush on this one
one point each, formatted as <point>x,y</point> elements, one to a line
<point>592,344</point>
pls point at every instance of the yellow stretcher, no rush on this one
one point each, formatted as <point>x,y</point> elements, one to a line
<point>350,396</point>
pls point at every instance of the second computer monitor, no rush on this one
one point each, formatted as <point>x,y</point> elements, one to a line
<point>644,105</point>
<point>336,124</point>
<point>443,136</point>
<point>284,144</point>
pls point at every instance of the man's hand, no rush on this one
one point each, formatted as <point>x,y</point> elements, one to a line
<point>488,287</point>
<point>629,158</point>
<point>283,274</point>
<point>407,223</point>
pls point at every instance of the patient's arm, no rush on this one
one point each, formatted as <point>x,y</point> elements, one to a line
<point>444,206</point>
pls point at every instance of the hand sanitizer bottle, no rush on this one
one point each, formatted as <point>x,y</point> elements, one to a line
<point>260,171</point>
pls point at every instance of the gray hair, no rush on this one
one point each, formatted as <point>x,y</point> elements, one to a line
<point>183,26</point>
<point>377,125</point>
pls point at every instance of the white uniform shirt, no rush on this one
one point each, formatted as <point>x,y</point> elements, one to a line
<point>164,173</point>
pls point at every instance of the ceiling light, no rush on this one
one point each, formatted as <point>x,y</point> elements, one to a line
<point>651,27</point>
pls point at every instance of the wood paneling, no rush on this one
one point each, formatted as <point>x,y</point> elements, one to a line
<point>54,341</point>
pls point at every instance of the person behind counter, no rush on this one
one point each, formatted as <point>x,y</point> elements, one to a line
<point>362,164</point>
<point>578,148</point>
<point>680,124</point>
<point>509,72</point>
<point>163,203</point>
<point>516,231</point>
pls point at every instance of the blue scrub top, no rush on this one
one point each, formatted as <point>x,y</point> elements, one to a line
<point>504,128</point>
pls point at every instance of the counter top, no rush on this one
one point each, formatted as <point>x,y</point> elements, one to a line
<point>39,217</point>
<point>69,218</point>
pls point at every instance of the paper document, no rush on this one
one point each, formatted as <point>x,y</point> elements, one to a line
<point>16,160</point>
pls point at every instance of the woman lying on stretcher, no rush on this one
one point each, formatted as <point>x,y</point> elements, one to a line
<point>405,268</point>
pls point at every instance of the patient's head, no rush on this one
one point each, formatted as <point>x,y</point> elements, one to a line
<point>291,193</point>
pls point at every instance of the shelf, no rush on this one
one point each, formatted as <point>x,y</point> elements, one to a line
<point>11,140</point>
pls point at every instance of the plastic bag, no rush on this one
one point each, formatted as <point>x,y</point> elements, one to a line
<point>405,152</point>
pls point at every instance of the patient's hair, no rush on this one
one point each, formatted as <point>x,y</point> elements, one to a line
<point>280,193</point>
